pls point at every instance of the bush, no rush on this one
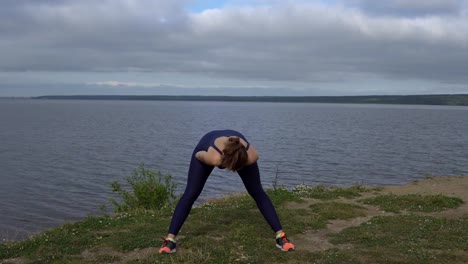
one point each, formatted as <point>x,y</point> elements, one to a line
<point>150,191</point>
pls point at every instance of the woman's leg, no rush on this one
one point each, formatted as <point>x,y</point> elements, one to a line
<point>197,175</point>
<point>250,175</point>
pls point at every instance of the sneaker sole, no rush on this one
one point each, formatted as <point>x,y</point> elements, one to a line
<point>282,249</point>
<point>170,252</point>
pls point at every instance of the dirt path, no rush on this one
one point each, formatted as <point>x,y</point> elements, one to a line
<point>134,255</point>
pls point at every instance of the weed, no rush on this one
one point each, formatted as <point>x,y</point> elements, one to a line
<point>149,191</point>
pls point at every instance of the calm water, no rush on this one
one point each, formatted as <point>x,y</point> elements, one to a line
<point>58,157</point>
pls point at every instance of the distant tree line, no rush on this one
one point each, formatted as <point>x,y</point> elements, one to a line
<point>441,99</point>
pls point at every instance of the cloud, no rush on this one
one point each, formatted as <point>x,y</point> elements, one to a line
<point>125,84</point>
<point>277,41</point>
<point>322,43</point>
<point>170,85</point>
<point>409,7</point>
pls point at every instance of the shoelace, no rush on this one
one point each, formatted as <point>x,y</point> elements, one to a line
<point>285,239</point>
<point>166,241</point>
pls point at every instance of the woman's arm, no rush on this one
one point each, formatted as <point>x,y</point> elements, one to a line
<point>252,155</point>
<point>207,158</point>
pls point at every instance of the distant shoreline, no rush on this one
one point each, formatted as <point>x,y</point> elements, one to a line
<point>439,99</point>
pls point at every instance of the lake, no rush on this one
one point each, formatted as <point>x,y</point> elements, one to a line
<point>57,157</point>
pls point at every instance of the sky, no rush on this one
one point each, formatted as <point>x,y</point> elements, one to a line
<point>233,47</point>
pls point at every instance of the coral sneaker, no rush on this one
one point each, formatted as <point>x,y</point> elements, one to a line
<point>168,246</point>
<point>283,243</point>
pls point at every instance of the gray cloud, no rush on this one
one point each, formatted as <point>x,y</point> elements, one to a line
<point>316,43</point>
<point>409,7</point>
<point>284,42</point>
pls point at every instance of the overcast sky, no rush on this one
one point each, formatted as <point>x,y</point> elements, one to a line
<point>214,47</point>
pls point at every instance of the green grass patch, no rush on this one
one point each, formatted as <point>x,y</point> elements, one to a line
<point>337,210</point>
<point>122,231</point>
<point>239,255</point>
<point>242,201</point>
<point>232,230</point>
<point>227,230</point>
<point>409,239</point>
<point>279,196</point>
<point>330,192</point>
<point>413,202</point>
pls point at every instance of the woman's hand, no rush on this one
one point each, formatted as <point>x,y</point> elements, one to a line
<point>207,158</point>
<point>212,158</point>
<point>252,155</point>
<point>200,155</point>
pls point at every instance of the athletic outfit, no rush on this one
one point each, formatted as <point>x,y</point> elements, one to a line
<point>198,174</point>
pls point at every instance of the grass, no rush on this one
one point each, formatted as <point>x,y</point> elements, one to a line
<point>409,239</point>
<point>337,210</point>
<point>413,202</point>
<point>232,230</point>
<point>331,192</point>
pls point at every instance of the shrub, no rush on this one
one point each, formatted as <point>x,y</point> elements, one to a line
<point>149,191</point>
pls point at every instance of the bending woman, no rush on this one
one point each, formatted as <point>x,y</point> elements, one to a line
<point>226,149</point>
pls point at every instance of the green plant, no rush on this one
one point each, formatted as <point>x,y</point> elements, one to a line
<point>149,191</point>
<point>275,180</point>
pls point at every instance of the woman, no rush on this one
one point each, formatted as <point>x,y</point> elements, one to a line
<point>226,149</point>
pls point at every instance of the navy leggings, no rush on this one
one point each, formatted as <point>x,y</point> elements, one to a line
<point>197,176</point>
